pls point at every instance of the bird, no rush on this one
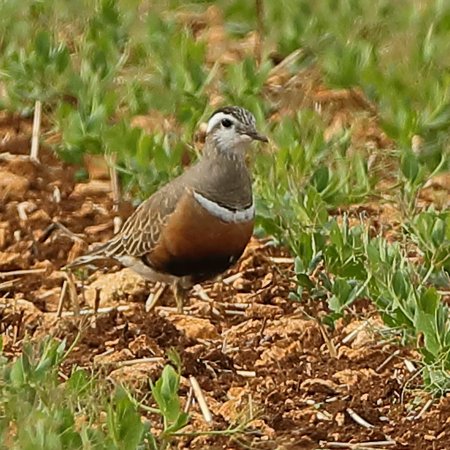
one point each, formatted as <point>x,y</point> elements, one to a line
<point>197,225</point>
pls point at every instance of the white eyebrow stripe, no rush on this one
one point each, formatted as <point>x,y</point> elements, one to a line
<point>243,215</point>
<point>216,118</point>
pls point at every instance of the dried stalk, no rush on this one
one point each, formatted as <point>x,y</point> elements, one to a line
<point>90,312</point>
<point>358,445</point>
<point>200,400</point>
<point>36,131</point>
<point>62,297</point>
<point>259,30</point>
<point>153,298</point>
<point>115,188</point>
<point>14,273</point>
<point>358,419</point>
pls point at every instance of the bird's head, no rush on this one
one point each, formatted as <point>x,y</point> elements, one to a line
<point>231,130</point>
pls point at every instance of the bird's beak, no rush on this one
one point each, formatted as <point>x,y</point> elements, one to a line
<point>257,136</point>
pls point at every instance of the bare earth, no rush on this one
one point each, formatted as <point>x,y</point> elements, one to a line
<point>263,361</point>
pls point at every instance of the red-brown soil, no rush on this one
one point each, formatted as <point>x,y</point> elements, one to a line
<point>261,359</point>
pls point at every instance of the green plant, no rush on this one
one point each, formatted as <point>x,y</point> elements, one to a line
<point>39,410</point>
<point>430,231</point>
<point>125,428</point>
<point>165,393</point>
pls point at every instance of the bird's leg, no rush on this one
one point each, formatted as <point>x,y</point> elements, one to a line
<point>180,294</point>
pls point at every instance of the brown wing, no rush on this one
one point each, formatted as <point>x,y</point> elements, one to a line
<point>142,229</point>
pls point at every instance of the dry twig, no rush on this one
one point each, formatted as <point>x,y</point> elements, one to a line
<point>14,273</point>
<point>115,186</point>
<point>59,226</point>
<point>153,298</point>
<point>62,298</point>
<point>359,445</point>
<point>36,131</point>
<point>358,419</point>
<point>132,362</point>
<point>89,312</point>
<point>200,400</point>
<point>387,360</point>
<point>425,408</point>
<point>232,278</point>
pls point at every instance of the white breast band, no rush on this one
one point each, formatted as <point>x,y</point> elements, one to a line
<point>244,215</point>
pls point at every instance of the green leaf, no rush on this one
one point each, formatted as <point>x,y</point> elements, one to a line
<point>320,178</point>
<point>17,374</point>
<point>62,58</point>
<point>424,323</point>
<point>429,301</point>
<point>181,421</point>
<point>409,166</point>
<point>298,265</point>
<point>42,44</point>
<point>124,422</point>
<point>165,393</point>
<point>399,283</point>
<point>79,382</point>
<point>438,232</point>
<point>304,281</point>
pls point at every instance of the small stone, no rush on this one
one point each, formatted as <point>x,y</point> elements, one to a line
<point>115,286</point>
<point>340,418</point>
<point>114,357</point>
<point>97,167</point>
<point>194,327</point>
<point>137,375</point>
<point>92,188</point>
<point>12,187</point>
<point>144,346</point>
<point>258,310</point>
<point>318,385</point>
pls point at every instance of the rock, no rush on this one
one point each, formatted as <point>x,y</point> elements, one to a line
<point>28,309</point>
<point>361,333</point>
<point>278,352</point>
<point>92,188</point>
<point>137,375</point>
<point>239,333</point>
<point>12,187</point>
<point>307,332</point>
<point>8,259</point>
<point>144,346</point>
<point>24,168</point>
<point>115,286</point>
<point>194,327</point>
<point>258,310</point>
<point>3,236</point>
<point>236,403</point>
<point>96,166</point>
<point>350,378</point>
<point>114,357</point>
<point>241,284</point>
<point>318,385</point>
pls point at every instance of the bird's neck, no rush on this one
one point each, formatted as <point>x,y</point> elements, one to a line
<point>224,178</point>
<point>216,149</point>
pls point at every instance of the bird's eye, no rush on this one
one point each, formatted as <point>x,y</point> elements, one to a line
<point>227,123</point>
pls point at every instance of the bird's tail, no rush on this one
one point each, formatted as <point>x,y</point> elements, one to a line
<point>106,251</point>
